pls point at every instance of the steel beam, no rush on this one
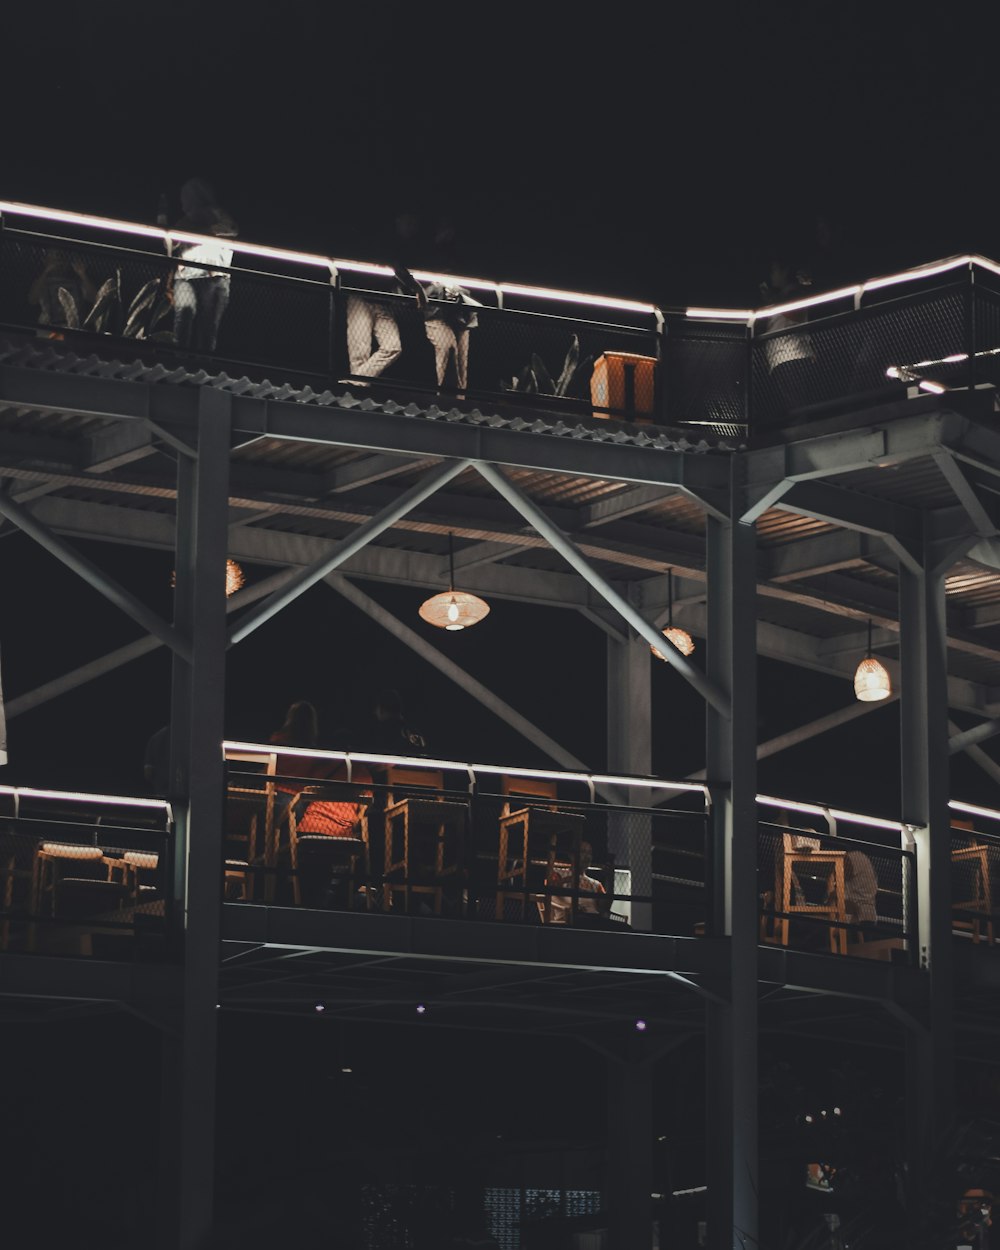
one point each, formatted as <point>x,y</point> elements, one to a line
<point>731,1025</point>
<point>571,554</point>
<point>314,573</point>
<point>492,702</point>
<point>130,651</point>
<point>795,737</point>
<point>101,582</point>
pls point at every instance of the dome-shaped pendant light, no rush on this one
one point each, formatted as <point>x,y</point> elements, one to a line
<point>453,609</point>
<point>871,681</point>
<point>680,638</point>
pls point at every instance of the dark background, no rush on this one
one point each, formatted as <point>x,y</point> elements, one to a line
<point>659,152</point>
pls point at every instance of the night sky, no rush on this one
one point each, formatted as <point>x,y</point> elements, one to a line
<point>654,151</point>
<point>660,152</point>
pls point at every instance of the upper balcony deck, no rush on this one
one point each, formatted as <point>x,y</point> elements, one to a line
<point>539,360</point>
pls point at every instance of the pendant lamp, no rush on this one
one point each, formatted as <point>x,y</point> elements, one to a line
<point>680,638</point>
<point>871,681</point>
<point>453,609</point>
<point>235,578</point>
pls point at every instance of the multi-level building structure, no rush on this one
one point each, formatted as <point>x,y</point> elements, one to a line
<point>802,484</point>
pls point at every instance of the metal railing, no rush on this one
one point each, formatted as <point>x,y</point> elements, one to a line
<point>975,866</point>
<point>84,874</point>
<point>309,319</point>
<point>477,842</point>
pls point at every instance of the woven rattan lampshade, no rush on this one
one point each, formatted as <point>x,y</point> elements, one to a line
<point>453,609</point>
<point>871,680</point>
<point>235,578</point>
<point>680,638</point>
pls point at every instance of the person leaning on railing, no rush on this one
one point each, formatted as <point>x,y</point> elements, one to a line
<point>201,289</point>
<point>448,317</point>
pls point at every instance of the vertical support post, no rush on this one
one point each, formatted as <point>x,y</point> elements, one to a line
<point>197,779</point>
<point>630,1148</point>
<point>630,751</point>
<point>731,773</point>
<point>925,779</point>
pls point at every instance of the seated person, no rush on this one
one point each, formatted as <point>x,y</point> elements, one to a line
<point>561,905</point>
<point>860,888</point>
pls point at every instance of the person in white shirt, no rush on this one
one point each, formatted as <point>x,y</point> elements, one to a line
<point>201,287</point>
<point>562,904</point>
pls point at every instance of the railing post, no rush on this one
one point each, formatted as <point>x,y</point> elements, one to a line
<point>970,326</point>
<point>333,323</point>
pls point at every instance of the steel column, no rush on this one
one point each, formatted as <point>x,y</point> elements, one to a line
<point>630,1149</point>
<point>731,1025</point>
<point>630,751</point>
<point>197,781</point>
<point>925,780</point>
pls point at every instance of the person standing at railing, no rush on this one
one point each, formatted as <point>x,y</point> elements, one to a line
<point>201,288</point>
<point>374,338</point>
<point>790,357</point>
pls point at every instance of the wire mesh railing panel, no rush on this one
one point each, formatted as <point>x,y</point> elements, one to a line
<point>71,290</point>
<point>833,894</point>
<point>459,348</point>
<point>704,375</point>
<point>424,845</point>
<point>171,306</point>
<point>802,369</point>
<point>76,879</point>
<point>986,363</point>
<point>975,871</point>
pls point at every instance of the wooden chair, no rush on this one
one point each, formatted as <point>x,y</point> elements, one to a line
<point>246,811</point>
<point>75,886</point>
<point>425,837</point>
<point>789,857</point>
<point>972,900</point>
<point>534,838</point>
<point>317,855</point>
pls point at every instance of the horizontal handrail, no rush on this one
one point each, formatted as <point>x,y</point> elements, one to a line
<point>332,265</point>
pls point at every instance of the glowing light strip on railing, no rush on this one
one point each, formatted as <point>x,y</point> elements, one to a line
<point>507,288</point>
<point>651,783</point>
<point>973,810</point>
<point>913,275</point>
<point>576,297</point>
<point>719,314</point>
<point>119,800</point>
<point>814,809</point>
<point>809,301</point>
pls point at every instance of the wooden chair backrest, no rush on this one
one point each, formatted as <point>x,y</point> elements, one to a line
<point>407,777</point>
<point>526,788</point>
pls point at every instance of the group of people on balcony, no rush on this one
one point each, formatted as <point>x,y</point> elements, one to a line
<point>338,809</point>
<point>379,325</point>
